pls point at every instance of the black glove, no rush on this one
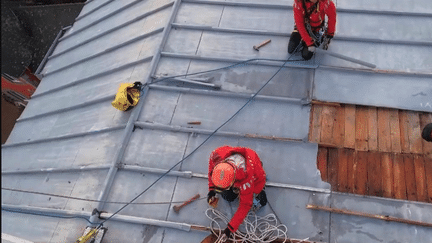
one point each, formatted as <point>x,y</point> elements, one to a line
<point>227,232</point>
<point>210,196</point>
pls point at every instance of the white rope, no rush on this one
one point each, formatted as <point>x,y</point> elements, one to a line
<point>258,229</point>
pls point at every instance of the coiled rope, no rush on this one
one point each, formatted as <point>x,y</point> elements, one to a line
<point>258,229</point>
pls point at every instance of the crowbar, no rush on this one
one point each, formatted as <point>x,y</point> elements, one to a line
<point>349,59</point>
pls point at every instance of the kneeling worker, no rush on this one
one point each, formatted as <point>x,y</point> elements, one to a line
<point>309,18</point>
<point>233,172</point>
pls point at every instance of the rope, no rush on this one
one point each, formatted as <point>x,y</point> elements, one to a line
<point>91,200</point>
<point>199,146</point>
<point>258,229</point>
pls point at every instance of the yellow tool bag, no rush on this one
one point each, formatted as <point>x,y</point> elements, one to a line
<point>127,96</point>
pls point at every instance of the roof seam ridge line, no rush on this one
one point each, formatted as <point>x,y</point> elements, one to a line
<point>240,4</point>
<point>225,94</point>
<point>377,71</point>
<point>31,209</point>
<point>63,137</point>
<point>273,33</point>
<point>113,29</point>
<point>120,218</point>
<point>381,41</point>
<point>93,10</point>
<point>70,108</point>
<point>127,65</point>
<point>284,6</point>
<point>106,51</point>
<point>135,113</point>
<point>100,20</point>
<point>49,52</point>
<point>174,128</point>
<point>384,12</point>
<point>230,30</point>
<point>222,59</point>
<point>56,170</point>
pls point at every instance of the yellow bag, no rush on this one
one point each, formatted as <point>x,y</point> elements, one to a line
<point>127,96</point>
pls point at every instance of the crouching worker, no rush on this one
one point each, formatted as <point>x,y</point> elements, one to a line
<point>127,96</point>
<point>309,18</point>
<point>237,172</point>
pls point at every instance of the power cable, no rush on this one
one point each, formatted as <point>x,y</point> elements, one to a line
<point>199,146</point>
<point>90,200</point>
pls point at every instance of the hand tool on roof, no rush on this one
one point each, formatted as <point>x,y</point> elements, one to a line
<point>256,48</point>
<point>349,59</point>
<point>87,235</point>
<point>214,202</point>
<point>94,234</point>
<point>368,215</point>
<point>178,207</point>
<point>194,123</point>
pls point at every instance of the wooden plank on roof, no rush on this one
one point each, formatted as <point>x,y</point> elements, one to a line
<point>322,162</point>
<point>343,170</point>
<point>373,129</point>
<point>426,118</point>
<point>384,139</point>
<point>403,123</point>
<point>410,177</point>
<point>361,124</point>
<point>333,158</point>
<point>374,174</point>
<point>387,175</point>
<point>399,177</point>
<point>351,163</point>
<point>420,178</point>
<point>428,174</point>
<point>361,175</point>
<point>395,131</point>
<point>315,129</point>
<point>328,118</point>
<point>414,132</point>
<point>339,127</point>
<point>349,141</point>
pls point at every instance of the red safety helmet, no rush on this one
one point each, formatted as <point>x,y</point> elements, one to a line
<point>223,176</point>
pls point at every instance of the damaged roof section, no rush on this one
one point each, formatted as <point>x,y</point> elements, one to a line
<point>70,141</point>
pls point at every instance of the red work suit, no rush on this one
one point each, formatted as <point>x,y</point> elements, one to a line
<point>316,18</point>
<point>249,179</point>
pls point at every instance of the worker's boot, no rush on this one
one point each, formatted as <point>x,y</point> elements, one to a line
<point>294,41</point>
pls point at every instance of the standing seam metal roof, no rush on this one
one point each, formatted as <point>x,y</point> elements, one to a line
<point>70,141</point>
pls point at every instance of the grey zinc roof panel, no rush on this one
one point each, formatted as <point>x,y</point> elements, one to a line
<point>109,21</point>
<point>106,86</point>
<point>94,149</point>
<point>410,92</point>
<point>90,118</point>
<point>81,133</point>
<point>419,6</point>
<point>346,228</point>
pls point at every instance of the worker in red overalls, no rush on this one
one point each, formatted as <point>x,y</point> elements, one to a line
<point>309,17</point>
<point>235,171</point>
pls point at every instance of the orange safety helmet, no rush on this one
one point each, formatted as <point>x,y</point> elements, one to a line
<point>223,176</point>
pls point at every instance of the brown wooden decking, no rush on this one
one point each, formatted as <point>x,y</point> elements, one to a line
<point>373,151</point>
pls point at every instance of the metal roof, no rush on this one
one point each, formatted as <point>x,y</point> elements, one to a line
<point>70,140</point>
